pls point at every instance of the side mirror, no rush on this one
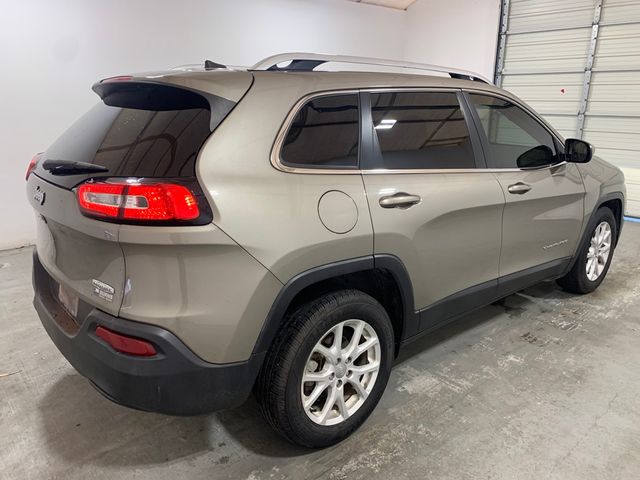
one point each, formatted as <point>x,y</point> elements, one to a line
<point>537,157</point>
<point>577,151</point>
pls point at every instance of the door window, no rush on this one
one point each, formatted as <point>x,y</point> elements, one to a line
<point>421,130</point>
<point>324,134</point>
<point>515,139</point>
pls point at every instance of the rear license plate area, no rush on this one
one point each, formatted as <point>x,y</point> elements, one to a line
<point>68,300</point>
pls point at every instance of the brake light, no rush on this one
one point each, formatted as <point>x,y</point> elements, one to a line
<point>32,165</point>
<point>138,201</point>
<point>125,344</point>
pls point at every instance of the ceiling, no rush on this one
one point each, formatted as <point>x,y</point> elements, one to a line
<point>397,4</point>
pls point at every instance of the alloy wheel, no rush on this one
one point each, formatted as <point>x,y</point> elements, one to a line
<point>599,250</point>
<point>340,372</point>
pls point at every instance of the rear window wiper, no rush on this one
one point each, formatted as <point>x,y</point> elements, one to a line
<point>67,167</point>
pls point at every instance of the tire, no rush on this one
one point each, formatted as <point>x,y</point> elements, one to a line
<point>580,279</point>
<point>296,353</point>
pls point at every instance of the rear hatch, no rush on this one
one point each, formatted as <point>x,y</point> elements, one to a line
<point>124,161</point>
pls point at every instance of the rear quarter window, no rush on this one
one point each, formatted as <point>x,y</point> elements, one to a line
<point>324,134</point>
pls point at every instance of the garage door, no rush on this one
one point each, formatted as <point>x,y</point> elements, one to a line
<point>577,62</point>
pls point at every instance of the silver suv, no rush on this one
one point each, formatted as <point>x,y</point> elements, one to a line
<point>208,232</point>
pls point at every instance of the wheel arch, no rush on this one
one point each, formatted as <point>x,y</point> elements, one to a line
<point>384,277</point>
<point>615,202</point>
<point>616,205</point>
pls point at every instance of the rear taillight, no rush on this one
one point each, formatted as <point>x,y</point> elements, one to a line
<point>32,164</point>
<point>126,344</point>
<point>138,202</point>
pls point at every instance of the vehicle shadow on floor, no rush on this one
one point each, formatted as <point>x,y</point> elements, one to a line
<point>83,426</point>
<point>513,306</point>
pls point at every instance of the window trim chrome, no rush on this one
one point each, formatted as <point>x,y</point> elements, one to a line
<point>543,123</point>
<point>276,150</point>
<point>520,104</point>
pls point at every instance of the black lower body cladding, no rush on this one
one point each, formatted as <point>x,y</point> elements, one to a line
<point>175,381</point>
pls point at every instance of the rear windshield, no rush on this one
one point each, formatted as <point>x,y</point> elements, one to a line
<point>144,134</point>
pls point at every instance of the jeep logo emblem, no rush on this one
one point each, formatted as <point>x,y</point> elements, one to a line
<point>39,196</point>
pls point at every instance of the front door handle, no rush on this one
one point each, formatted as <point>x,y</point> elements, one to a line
<point>519,188</point>
<point>399,200</point>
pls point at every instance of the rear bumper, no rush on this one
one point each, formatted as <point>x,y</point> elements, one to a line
<point>175,381</point>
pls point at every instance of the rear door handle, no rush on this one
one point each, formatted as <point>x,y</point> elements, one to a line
<point>519,188</point>
<point>399,200</point>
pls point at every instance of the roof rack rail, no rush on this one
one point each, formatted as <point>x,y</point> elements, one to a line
<point>305,62</point>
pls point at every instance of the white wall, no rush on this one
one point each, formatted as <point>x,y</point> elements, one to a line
<point>463,33</point>
<point>52,51</point>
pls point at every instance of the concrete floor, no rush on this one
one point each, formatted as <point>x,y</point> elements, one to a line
<point>540,385</point>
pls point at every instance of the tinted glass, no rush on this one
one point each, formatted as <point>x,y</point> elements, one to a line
<point>324,133</point>
<point>515,138</point>
<point>148,143</point>
<point>150,139</point>
<point>421,130</point>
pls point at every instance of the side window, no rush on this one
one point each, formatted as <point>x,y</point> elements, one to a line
<point>324,133</point>
<point>421,130</point>
<point>515,138</point>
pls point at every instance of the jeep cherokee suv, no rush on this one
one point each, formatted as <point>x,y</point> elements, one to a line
<point>208,232</point>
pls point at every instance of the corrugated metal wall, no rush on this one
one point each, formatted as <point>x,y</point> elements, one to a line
<point>546,61</point>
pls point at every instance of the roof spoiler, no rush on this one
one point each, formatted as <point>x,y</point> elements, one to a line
<point>144,94</point>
